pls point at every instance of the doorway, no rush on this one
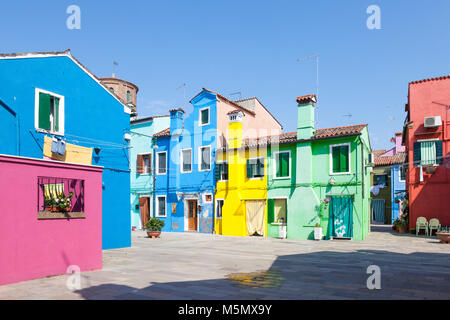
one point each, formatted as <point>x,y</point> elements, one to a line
<point>144,206</point>
<point>255,217</point>
<point>341,211</point>
<point>378,210</point>
<point>192,215</point>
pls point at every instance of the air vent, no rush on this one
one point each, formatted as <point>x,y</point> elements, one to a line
<point>432,122</point>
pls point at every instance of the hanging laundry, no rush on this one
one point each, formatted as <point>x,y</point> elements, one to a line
<point>70,152</point>
<point>58,146</point>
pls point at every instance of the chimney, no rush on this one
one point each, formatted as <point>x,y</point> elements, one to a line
<point>398,143</point>
<point>305,114</point>
<point>235,118</point>
<point>176,121</point>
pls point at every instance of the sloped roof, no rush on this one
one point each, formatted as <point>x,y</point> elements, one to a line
<point>65,53</point>
<point>377,153</point>
<point>398,158</point>
<point>291,137</point>
<point>165,132</point>
<point>430,79</point>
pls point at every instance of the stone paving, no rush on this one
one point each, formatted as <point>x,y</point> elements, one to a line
<point>199,266</point>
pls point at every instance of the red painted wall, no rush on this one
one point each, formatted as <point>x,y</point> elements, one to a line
<point>32,248</point>
<point>430,198</point>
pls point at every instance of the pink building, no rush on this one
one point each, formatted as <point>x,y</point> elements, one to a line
<point>36,242</point>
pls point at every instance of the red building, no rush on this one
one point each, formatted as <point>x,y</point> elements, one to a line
<point>427,140</point>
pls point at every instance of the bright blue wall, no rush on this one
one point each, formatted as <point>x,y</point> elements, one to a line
<point>396,187</point>
<point>90,113</point>
<point>141,143</point>
<point>198,182</point>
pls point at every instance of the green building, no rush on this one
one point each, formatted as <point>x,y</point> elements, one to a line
<point>319,177</point>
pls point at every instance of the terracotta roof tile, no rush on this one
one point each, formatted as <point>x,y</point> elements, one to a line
<point>430,79</point>
<point>165,132</point>
<point>306,98</point>
<point>398,158</point>
<point>377,153</point>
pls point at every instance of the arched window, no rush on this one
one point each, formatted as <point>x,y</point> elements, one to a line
<point>111,89</point>
<point>128,96</point>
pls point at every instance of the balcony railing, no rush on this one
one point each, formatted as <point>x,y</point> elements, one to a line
<point>60,198</point>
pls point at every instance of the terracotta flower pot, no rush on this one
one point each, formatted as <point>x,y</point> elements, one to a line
<point>444,237</point>
<point>48,208</point>
<point>401,229</point>
<point>153,234</point>
<point>55,209</point>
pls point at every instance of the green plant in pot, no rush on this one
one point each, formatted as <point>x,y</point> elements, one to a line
<point>153,227</point>
<point>318,232</point>
<point>49,204</point>
<point>63,202</point>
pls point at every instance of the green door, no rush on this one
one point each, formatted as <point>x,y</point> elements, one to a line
<point>341,210</point>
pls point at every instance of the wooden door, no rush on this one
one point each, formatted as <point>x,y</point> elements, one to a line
<point>144,205</point>
<point>192,215</point>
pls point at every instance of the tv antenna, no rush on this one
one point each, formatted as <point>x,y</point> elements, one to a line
<point>235,93</point>
<point>115,64</point>
<point>314,57</point>
<point>184,96</point>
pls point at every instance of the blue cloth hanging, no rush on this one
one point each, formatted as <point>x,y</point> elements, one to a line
<point>58,146</point>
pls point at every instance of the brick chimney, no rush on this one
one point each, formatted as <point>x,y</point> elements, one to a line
<point>235,119</point>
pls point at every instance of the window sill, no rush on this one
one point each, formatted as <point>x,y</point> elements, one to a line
<point>340,173</point>
<point>61,134</point>
<point>281,178</point>
<point>46,215</point>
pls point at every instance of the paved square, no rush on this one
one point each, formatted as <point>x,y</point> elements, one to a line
<point>200,266</point>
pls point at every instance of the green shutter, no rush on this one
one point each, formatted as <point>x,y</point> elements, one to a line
<point>343,161</point>
<point>205,116</point>
<point>335,155</point>
<point>260,167</point>
<point>56,115</point>
<point>44,111</point>
<point>439,152</point>
<point>270,210</point>
<point>225,170</point>
<point>249,169</point>
<point>278,165</point>
<point>417,158</point>
<point>218,171</point>
<point>284,164</point>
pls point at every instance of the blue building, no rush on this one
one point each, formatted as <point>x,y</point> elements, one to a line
<point>185,157</point>
<point>398,185</point>
<point>142,168</point>
<point>54,95</point>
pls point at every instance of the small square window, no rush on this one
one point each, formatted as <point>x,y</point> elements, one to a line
<point>340,159</point>
<point>205,158</point>
<point>186,160</point>
<point>208,198</point>
<point>160,206</point>
<point>255,168</point>
<point>161,162</point>
<point>49,112</point>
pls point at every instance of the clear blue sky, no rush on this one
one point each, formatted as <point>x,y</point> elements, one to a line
<point>251,47</point>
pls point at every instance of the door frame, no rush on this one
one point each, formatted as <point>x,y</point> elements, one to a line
<point>264,214</point>
<point>186,214</point>
<point>332,217</point>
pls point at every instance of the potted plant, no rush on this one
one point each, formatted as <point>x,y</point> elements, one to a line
<point>153,227</point>
<point>64,202</point>
<point>401,225</point>
<point>318,232</point>
<point>49,204</point>
<point>444,235</point>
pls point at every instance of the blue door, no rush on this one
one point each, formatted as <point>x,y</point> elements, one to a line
<point>341,210</point>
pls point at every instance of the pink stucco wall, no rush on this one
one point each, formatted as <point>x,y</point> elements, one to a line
<point>32,248</point>
<point>258,124</point>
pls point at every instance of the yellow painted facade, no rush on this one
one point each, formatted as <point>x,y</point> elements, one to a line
<point>74,153</point>
<point>239,189</point>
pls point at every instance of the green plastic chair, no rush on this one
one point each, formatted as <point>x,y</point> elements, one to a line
<point>421,223</point>
<point>434,224</point>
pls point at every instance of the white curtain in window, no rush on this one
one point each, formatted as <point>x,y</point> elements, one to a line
<point>428,153</point>
<point>255,217</point>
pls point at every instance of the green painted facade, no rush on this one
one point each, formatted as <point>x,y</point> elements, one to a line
<point>310,177</point>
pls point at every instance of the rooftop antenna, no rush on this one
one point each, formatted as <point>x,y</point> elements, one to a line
<point>235,93</point>
<point>184,97</point>
<point>349,115</point>
<point>316,57</point>
<point>115,64</point>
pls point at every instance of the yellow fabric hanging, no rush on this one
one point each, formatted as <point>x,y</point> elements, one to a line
<point>74,153</point>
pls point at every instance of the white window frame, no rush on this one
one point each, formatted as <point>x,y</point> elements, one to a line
<point>208,194</point>
<point>264,162</point>
<point>275,165</point>
<point>157,163</point>
<point>200,158</point>
<point>61,98</point>
<point>200,116</point>
<point>215,209</point>
<point>182,160</point>
<point>150,156</point>
<point>349,159</point>
<point>429,140</point>
<point>157,206</point>
<point>279,198</point>
<point>221,162</point>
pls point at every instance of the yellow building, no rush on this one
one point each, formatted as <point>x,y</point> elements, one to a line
<point>241,191</point>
